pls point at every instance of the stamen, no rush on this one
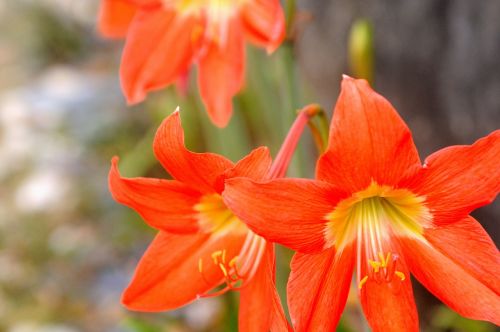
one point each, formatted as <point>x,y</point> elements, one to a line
<point>232,262</point>
<point>236,277</point>
<point>362,282</point>
<point>214,294</point>
<point>229,270</point>
<point>215,256</point>
<point>375,265</point>
<point>382,258</point>
<point>400,274</point>
<point>200,265</point>
<point>223,269</point>
<point>382,270</point>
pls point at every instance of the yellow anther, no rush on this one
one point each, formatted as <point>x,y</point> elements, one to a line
<point>224,256</point>
<point>384,261</point>
<point>400,274</point>
<point>233,261</point>
<point>200,265</point>
<point>223,269</point>
<point>216,255</point>
<point>387,259</point>
<point>362,282</point>
<point>375,265</point>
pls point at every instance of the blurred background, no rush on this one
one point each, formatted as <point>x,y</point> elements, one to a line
<point>67,250</point>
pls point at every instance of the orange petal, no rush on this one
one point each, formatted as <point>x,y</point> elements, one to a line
<point>318,288</point>
<point>459,179</point>
<point>160,47</point>
<point>168,275</point>
<point>288,211</point>
<point>115,17</point>
<point>368,141</point>
<point>264,23</point>
<point>199,170</point>
<point>260,305</point>
<point>163,204</point>
<point>467,244</point>
<point>254,166</point>
<point>450,282</point>
<point>390,306</point>
<point>221,73</point>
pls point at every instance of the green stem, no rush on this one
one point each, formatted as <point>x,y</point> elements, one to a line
<point>290,11</point>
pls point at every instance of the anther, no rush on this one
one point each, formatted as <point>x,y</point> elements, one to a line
<point>375,265</point>
<point>400,274</point>
<point>200,265</point>
<point>223,269</point>
<point>216,255</point>
<point>362,282</point>
<point>232,262</point>
<point>383,270</point>
<point>229,270</point>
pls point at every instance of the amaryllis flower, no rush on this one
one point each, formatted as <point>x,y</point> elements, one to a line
<point>376,210</point>
<point>201,244</point>
<point>165,37</point>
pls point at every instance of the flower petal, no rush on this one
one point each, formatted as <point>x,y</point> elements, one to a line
<point>260,305</point>
<point>368,141</point>
<point>115,17</point>
<point>221,72</point>
<point>264,23</point>
<point>288,211</point>
<point>467,244</point>
<point>159,47</point>
<point>390,306</point>
<point>450,282</point>
<point>318,288</point>
<point>199,170</point>
<point>254,166</point>
<point>459,179</point>
<point>163,204</point>
<point>168,275</point>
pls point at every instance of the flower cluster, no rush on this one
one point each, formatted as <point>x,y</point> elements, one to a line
<point>374,210</point>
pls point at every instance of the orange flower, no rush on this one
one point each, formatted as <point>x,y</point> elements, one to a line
<point>201,244</point>
<point>165,37</point>
<point>375,209</point>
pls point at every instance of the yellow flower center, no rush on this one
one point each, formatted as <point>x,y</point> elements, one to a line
<point>215,13</point>
<point>370,218</point>
<point>215,218</point>
<point>197,6</point>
